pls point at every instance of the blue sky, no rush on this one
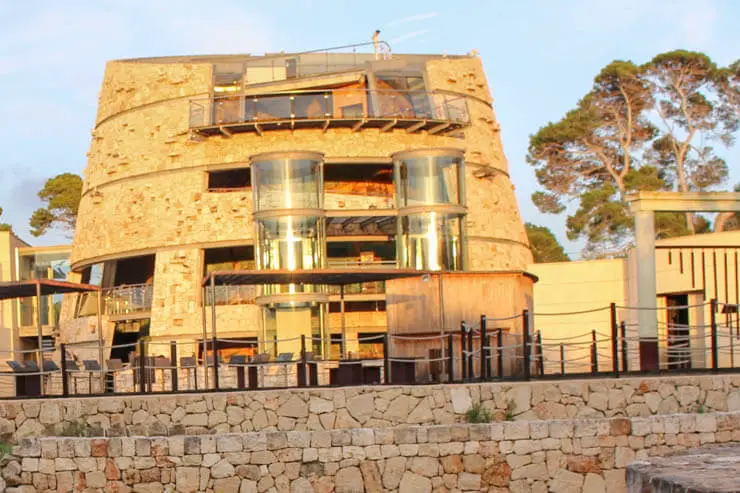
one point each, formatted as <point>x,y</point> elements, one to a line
<point>540,58</point>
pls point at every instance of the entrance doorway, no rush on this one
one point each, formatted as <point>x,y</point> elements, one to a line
<point>678,331</point>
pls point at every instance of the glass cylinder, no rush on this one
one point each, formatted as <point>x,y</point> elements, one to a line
<point>426,177</point>
<point>287,181</point>
<point>432,241</point>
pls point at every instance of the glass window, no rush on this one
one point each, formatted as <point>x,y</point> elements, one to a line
<point>228,258</point>
<point>432,241</point>
<point>287,184</point>
<point>403,96</point>
<point>428,180</point>
<point>291,243</point>
<point>230,179</point>
<point>51,265</point>
<point>228,77</point>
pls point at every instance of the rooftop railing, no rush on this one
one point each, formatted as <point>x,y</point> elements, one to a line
<point>419,110</point>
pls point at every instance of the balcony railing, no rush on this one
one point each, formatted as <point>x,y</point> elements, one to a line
<point>232,295</point>
<point>349,263</point>
<point>413,110</point>
<point>126,300</point>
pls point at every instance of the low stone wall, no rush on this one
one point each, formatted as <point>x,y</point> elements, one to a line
<point>583,455</point>
<point>372,406</point>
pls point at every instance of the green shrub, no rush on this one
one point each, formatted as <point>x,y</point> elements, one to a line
<point>510,410</point>
<point>478,414</point>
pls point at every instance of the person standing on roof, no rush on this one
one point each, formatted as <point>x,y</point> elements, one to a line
<point>376,43</point>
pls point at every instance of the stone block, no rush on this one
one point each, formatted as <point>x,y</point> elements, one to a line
<point>348,480</point>
<point>414,483</point>
<point>516,430</point>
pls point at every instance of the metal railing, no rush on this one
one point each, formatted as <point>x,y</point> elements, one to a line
<point>354,104</point>
<point>358,262</point>
<point>125,300</point>
<point>232,295</point>
<point>493,348</point>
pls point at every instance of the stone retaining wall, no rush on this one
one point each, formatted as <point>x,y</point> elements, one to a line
<point>582,455</point>
<point>371,406</point>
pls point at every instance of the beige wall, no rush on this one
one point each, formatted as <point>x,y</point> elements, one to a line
<point>692,265</point>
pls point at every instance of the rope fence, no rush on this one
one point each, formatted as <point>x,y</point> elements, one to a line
<point>495,348</point>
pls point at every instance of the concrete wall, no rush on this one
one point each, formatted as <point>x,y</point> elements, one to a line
<point>560,456</point>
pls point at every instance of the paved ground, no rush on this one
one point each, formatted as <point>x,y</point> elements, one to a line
<point>703,470</point>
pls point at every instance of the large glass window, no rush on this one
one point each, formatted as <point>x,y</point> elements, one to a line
<point>43,266</point>
<point>432,241</point>
<point>433,179</point>
<point>291,242</point>
<point>287,183</point>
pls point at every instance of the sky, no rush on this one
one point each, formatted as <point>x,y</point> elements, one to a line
<point>540,58</point>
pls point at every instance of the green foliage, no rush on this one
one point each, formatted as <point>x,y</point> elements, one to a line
<point>478,414</point>
<point>510,410</point>
<point>589,153</point>
<point>5,226</point>
<point>6,449</point>
<point>639,128</point>
<point>544,245</point>
<point>62,195</point>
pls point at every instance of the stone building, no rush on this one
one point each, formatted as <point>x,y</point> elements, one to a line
<point>292,162</point>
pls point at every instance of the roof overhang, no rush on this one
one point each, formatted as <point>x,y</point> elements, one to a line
<point>28,289</point>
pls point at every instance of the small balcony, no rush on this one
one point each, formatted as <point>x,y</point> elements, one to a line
<point>414,111</point>
<point>129,300</point>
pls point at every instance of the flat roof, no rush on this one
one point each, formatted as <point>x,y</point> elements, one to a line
<point>27,289</point>
<point>333,277</point>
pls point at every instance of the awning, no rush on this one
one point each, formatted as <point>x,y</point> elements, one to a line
<point>333,277</point>
<point>28,289</point>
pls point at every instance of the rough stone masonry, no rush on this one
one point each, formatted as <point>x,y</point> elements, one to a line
<point>581,455</point>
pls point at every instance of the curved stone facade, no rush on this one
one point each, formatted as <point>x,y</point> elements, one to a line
<point>146,182</point>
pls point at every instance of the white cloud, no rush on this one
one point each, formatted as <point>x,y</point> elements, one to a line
<point>414,18</point>
<point>407,36</point>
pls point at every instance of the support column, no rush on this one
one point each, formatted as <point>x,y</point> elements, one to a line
<point>646,288</point>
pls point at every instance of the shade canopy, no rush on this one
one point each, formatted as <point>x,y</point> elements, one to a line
<point>332,277</point>
<point>28,289</point>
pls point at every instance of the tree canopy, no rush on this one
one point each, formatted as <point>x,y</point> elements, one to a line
<point>640,127</point>
<point>544,244</point>
<point>62,195</point>
<point>5,226</point>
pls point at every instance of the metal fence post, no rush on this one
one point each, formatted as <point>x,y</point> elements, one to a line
<point>65,380</point>
<point>540,356</point>
<point>142,366</point>
<point>594,353</point>
<point>615,338</point>
<point>562,359</point>
<point>526,344</point>
<point>483,348</point>
<point>301,377</point>
<point>713,323</point>
<point>216,383</point>
<point>386,359</point>
<point>623,330</point>
<point>500,353</point>
<point>173,365</point>
<point>471,367</point>
<point>464,365</point>
<point>450,360</point>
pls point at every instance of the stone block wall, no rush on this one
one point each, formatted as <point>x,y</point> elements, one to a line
<point>320,409</point>
<point>559,456</point>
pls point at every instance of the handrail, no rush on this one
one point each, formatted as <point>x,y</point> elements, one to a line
<point>359,104</point>
<point>121,300</point>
